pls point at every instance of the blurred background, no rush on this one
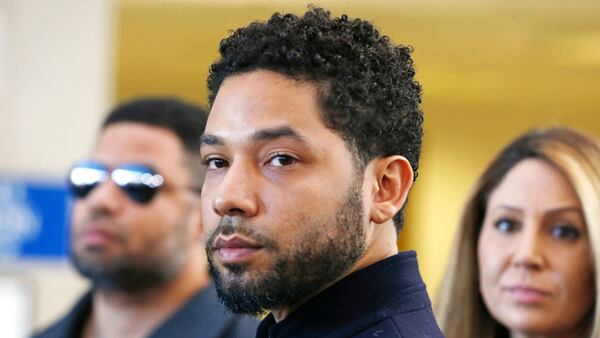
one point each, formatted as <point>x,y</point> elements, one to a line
<point>489,70</point>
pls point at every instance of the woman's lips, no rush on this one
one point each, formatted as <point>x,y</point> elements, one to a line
<point>527,295</point>
<point>235,249</point>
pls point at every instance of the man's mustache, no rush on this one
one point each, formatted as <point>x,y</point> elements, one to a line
<point>101,220</point>
<point>235,225</point>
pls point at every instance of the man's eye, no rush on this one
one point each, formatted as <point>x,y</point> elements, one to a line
<point>505,225</point>
<point>215,163</point>
<point>282,160</point>
<point>567,232</point>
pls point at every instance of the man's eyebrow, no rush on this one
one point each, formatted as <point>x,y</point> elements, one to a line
<point>260,135</point>
<point>211,140</point>
<point>277,132</point>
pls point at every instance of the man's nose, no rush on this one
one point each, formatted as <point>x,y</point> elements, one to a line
<point>236,194</point>
<point>105,197</point>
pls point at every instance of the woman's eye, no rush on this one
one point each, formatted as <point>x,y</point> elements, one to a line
<point>505,225</point>
<point>282,160</point>
<point>568,232</point>
<point>215,163</point>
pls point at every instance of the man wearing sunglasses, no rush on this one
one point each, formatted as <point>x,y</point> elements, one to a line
<point>311,147</point>
<point>136,231</point>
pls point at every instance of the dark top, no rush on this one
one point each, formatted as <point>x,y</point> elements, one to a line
<point>386,299</point>
<point>202,316</point>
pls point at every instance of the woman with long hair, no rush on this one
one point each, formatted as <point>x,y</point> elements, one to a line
<point>526,259</point>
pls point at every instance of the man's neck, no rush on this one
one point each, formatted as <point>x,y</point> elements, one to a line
<point>381,244</point>
<point>120,314</point>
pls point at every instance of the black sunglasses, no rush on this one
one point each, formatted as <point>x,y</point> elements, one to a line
<point>138,181</point>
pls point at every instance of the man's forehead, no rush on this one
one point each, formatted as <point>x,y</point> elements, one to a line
<point>135,142</point>
<point>262,102</point>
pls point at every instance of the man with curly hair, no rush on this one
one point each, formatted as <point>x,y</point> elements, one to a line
<point>311,147</point>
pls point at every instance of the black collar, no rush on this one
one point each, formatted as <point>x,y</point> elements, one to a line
<point>201,315</point>
<point>356,301</point>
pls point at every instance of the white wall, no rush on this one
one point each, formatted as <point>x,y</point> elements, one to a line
<point>55,78</point>
<point>56,73</point>
<point>14,307</point>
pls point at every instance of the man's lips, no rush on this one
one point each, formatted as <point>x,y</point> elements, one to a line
<point>235,249</point>
<point>527,294</point>
<point>97,237</point>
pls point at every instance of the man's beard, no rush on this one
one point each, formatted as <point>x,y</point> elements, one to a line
<point>134,272</point>
<point>323,254</point>
<point>126,274</point>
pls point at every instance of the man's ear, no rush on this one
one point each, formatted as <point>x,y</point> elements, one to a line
<point>393,179</point>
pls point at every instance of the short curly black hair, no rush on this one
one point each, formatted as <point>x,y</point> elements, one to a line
<point>369,97</point>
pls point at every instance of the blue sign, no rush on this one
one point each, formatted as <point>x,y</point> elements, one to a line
<point>33,219</point>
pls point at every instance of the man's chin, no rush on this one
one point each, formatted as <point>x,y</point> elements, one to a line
<point>237,269</point>
<point>238,294</point>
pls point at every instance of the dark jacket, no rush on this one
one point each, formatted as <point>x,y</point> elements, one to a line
<point>202,316</point>
<point>387,299</point>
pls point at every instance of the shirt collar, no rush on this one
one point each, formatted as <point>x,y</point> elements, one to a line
<point>357,295</point>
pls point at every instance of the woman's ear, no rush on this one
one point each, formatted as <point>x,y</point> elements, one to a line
<point>394,177</point>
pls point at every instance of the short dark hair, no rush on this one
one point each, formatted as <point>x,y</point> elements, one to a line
<point>368,93</point>
<point>186,120</point>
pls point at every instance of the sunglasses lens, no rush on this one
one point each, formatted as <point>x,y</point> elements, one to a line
<point>81,191</point>
<point>139,182</point>
<point>85,177</point>
<point>140,193</point>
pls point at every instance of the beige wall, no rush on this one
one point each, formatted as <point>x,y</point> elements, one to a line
<point>55,84</point>
<point>56,81</point>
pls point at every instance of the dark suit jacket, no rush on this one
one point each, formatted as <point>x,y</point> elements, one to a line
<point>385,300</point>
<point>202,317</point>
